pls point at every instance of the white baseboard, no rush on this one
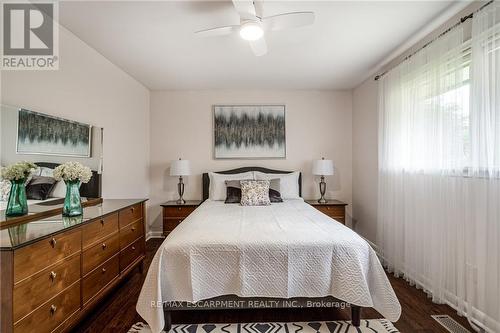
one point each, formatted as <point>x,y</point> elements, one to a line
<point>154,234</point>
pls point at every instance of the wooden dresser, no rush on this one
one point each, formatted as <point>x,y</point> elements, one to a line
<point>333,208</point>
<point>54,270</point>
<point>174,213</point>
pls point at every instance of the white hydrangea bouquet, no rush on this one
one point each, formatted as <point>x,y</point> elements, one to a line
<point>73,171</point>
<point>18,171</point>
<point>17,174</point>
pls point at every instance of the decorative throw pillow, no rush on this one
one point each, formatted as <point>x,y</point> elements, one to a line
<point>40,187</point>
<point>255,193</point>
<point>4,190</point>
<point>233,191</point>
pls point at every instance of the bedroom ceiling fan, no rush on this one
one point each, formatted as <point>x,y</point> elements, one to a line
<point>253,26</point>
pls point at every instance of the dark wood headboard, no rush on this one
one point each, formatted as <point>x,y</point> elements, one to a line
<point>90,190</point>
<point>206,179</point>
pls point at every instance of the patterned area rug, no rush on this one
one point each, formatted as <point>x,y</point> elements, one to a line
<point>367,326</point>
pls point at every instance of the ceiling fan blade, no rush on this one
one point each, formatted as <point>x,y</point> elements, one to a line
<point>219,31</point>
<point>259,9</point>
<point>259,47</point>
<point>245,8</point>
<point>288,20</point>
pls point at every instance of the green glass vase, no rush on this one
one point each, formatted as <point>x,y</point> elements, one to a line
<point>17,204</point>
<point>72,202</point>
<point>69,221</point>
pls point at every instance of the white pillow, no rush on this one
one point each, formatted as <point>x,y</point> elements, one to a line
<point>289,183</point>
<point>46,172</point>
<point>37,172</point>
<point>59,190</point>
<point>217,188</point>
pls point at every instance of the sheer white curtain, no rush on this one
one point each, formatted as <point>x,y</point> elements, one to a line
<point>439,169</point>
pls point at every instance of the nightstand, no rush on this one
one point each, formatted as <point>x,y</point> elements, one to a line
<point>333,208</point>
<point>174,213</point>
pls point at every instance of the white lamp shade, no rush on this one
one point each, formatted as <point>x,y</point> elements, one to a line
<point>322,167</point>
<point>180,168</point>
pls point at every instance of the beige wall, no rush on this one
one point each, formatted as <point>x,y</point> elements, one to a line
<point>365,158</point>
<point>318,123</point>
<point>90,89</point>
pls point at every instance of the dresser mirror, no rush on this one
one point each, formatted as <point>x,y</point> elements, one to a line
<point>47,141</point>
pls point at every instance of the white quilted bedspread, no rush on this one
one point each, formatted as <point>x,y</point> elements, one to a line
<point>284,250</point>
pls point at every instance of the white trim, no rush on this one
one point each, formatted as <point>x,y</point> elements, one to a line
<point>451,300</point>
<point>154,234</point>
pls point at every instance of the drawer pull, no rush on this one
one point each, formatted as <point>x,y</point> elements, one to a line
<point>102,222</point>
<point>327,208</point>
<point>53,275</point>
<point>104,246</point>
<point>104,270</point>
<point>133,228</point>
<point>179,208</point>
<point>133,248</point>
<point>53,242</point>
<point>132,209</point>
<point>53,309</point>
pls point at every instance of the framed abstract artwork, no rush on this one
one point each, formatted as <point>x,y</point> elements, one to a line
<point>38,133</point>
<point>249,131</point>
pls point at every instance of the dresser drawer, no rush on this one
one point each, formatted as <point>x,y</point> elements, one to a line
<point>130,233</point>
<point>100,252</point>
<point>99,278</point>
<point>47,317</point>
<point>38,256</point>
<point>33,292</point>
<point>129,254</point>
<point>332,211</point>
<point>101,228</point>
<point>130,214</point>
<point>179,211</point>
<point>170,224</point>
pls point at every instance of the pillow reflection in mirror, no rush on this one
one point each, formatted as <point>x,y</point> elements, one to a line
<point>4,190</point>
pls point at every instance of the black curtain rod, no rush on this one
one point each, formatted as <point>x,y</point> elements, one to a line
<point>462,20</point>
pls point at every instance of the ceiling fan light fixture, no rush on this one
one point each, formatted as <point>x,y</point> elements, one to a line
<point>251,31</point>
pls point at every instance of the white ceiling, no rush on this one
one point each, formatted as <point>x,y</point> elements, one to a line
<point>154,41</point>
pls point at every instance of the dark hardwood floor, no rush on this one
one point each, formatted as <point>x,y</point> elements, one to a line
<point>117,312</point>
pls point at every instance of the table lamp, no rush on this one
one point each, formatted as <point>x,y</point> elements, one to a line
<point>180,168</point>
<point>322,168</point>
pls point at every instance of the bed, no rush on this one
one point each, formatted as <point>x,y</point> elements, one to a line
<point>227,255</point>
<point>92,189</point>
